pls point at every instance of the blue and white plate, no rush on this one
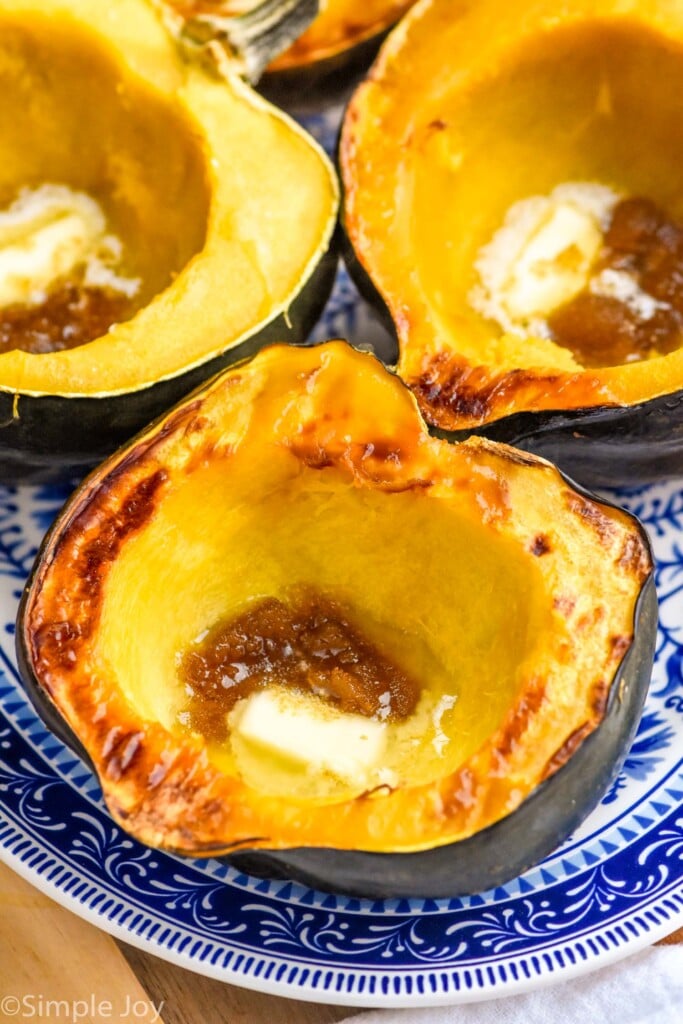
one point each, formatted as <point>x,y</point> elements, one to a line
<point>612,888</point>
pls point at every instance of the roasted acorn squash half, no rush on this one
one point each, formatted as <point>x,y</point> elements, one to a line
<point>214,210</point>
<point>475,635</point>
<point>513,201</point>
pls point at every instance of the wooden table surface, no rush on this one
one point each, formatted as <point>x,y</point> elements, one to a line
<point>48,953</point>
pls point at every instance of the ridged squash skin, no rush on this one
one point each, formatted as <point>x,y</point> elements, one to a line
<point>524,606</point>
<point>468,109</point>
<point>233,246</point>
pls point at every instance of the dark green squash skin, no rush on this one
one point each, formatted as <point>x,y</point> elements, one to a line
<point>606,446</point>
<point>599,446</point>
<point>49,438</point>
<point>487,859</point>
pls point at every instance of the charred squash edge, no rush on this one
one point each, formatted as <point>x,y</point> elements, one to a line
<point>599,446</point>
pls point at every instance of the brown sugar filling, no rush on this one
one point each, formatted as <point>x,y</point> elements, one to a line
<point>307,643</point>
<point>70,316</point>
<point>603,330</point>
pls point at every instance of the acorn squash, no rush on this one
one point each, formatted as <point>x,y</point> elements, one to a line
<point>475,634</point>
<point>221,210</point>
<point>489,162</point>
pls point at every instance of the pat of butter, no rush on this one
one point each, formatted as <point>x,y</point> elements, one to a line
<point>44,236</point>
<point>542,257</point>
<point>554,262</point>
<point>310,735</point>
